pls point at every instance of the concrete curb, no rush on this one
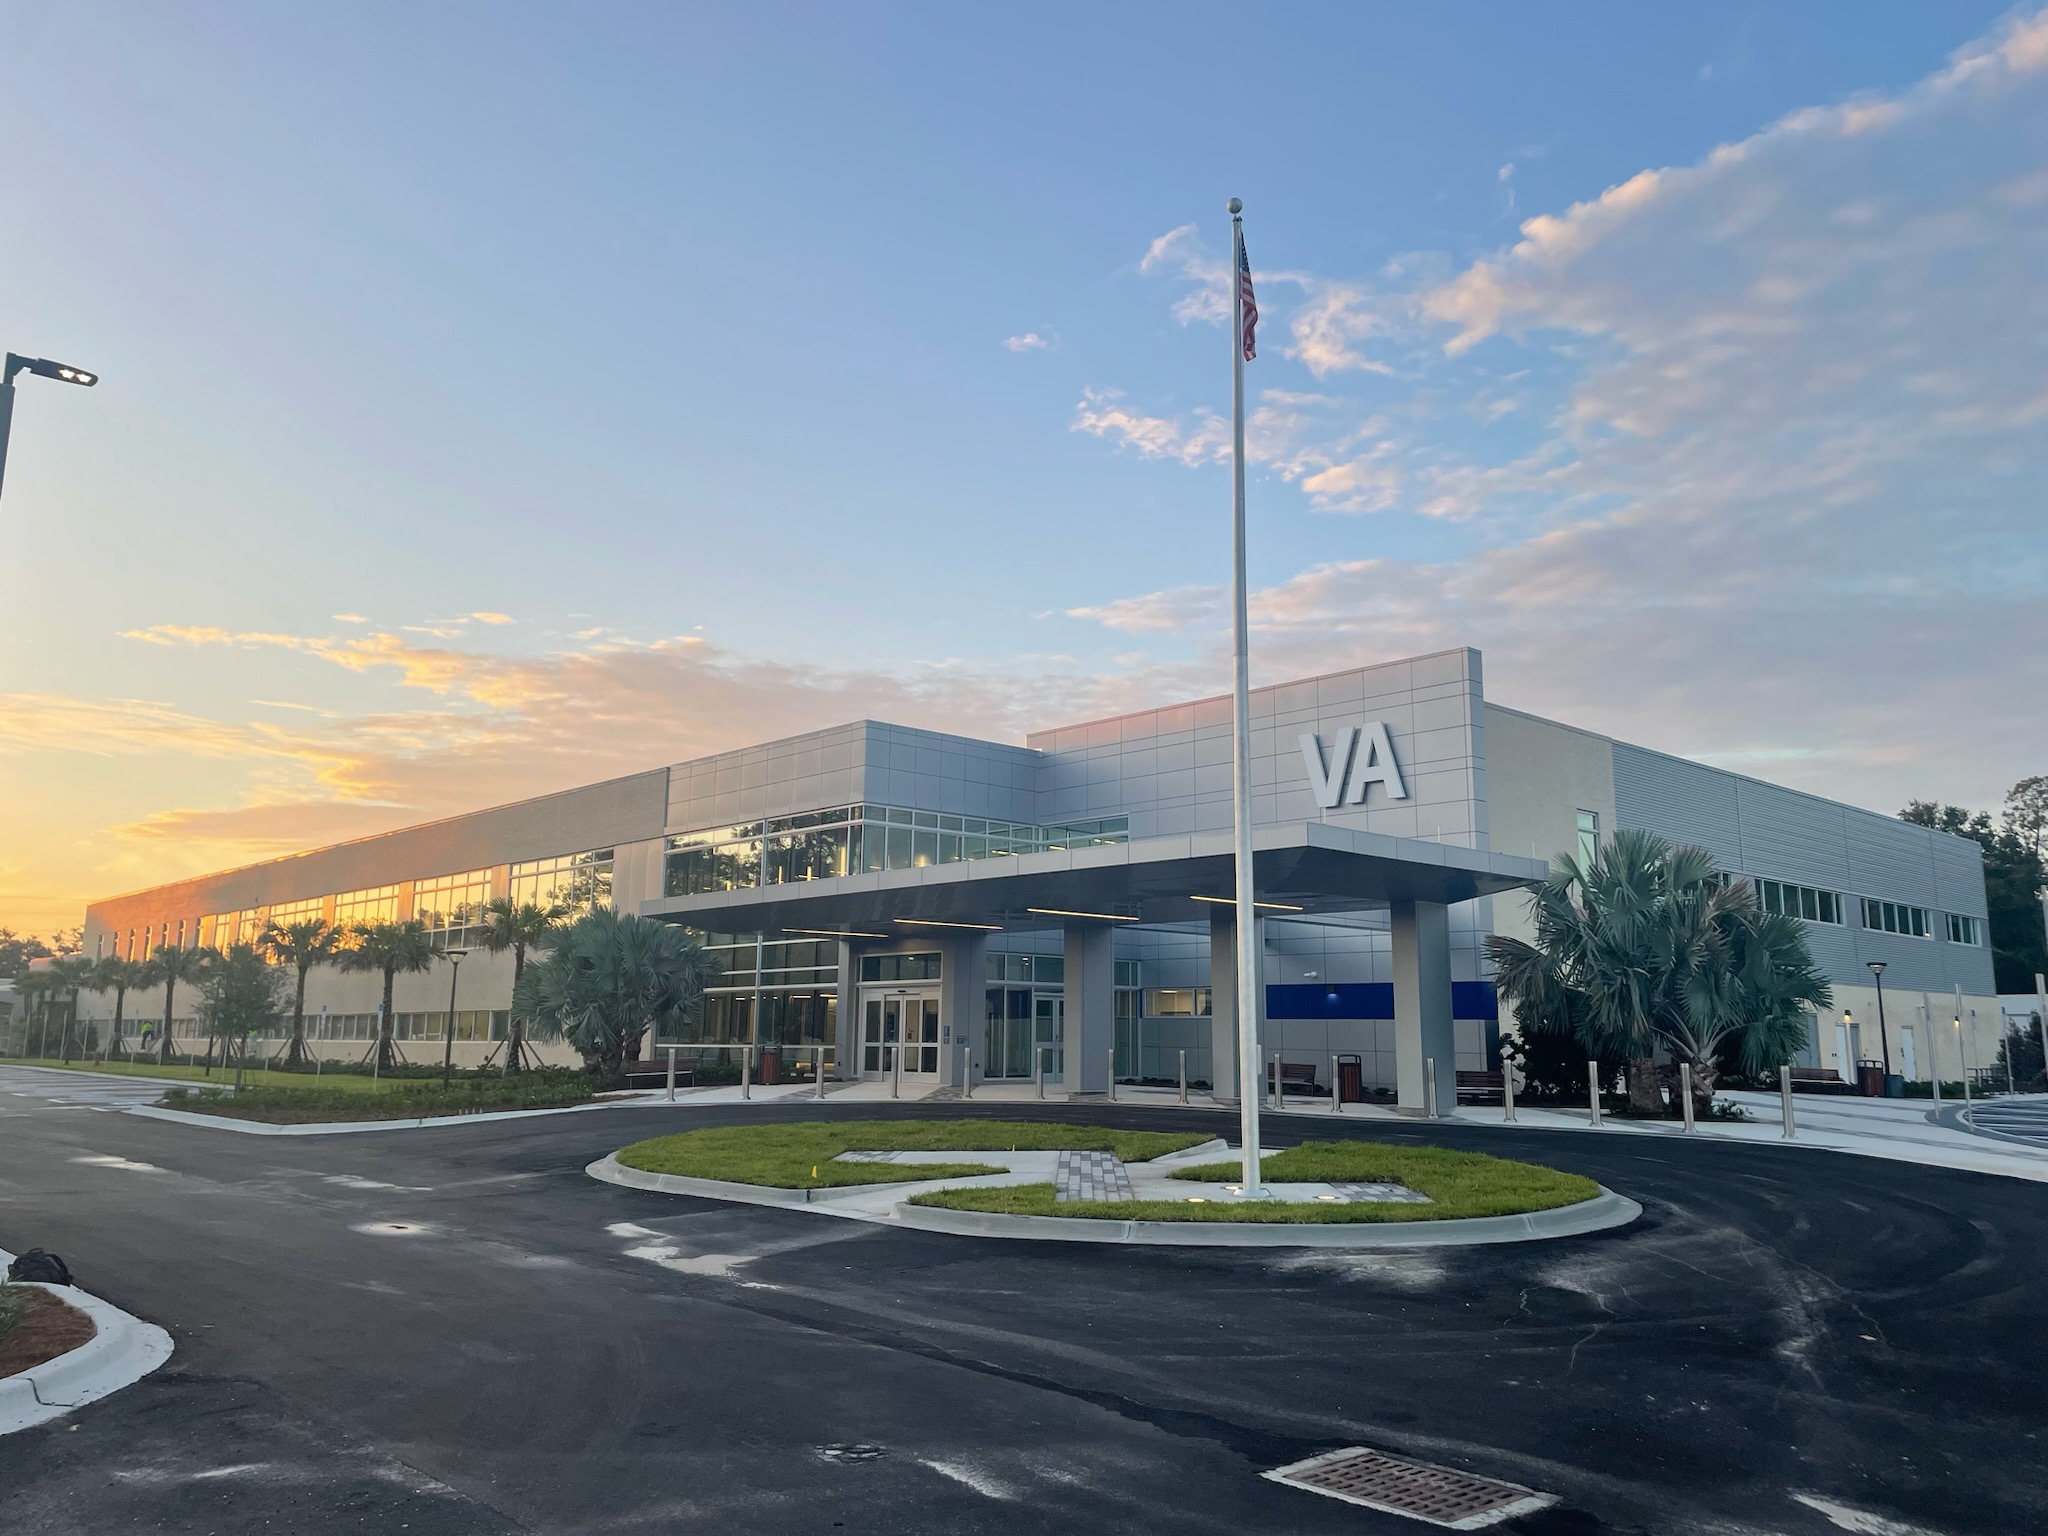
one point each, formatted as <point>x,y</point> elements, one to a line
<point>352,1127</point>
<point>1604,1211</point>
<point>424,1122</point>
<point>609,1170</point>
<point>123,1351</point>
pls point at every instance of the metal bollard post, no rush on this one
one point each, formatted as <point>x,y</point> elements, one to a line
<point>967,1073</point>
<point>820,1074</point>
<point>1336,1088</point>
<point>1507,1093</point>
<point>1593,1090</point>
<point>1685,1091</point>
<point>1038,1070</point>
<point>747,1073</point>
<point>1279,1102</point>
<point>1785,1096</point>
<point>1429,1086</point>
<point>1112,1074</point>
<point>1183,1077</point>
<point>671,1074</point>
<point>896,1070</point>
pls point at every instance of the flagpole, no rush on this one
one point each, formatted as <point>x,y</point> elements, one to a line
<point>1251,1072</point>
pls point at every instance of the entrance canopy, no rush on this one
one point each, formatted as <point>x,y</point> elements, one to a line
<point>1306,867</point>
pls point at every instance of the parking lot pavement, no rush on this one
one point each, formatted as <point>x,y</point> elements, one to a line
<point>91,1090</point>
<point>456,1330</point>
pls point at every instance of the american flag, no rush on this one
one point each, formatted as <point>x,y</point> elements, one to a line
<point>1251,305</point>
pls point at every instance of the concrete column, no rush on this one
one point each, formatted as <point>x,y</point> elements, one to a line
<point>1223,1003</point>
<point>1090,1027</point>
<point>1422,1004</point>
<point>963,999</point>
<point>846,1029</point>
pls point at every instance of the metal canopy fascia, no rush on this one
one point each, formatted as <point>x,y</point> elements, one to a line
<point>1314,866</point>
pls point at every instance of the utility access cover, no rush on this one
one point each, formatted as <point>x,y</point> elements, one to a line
<point>1443,1496</point>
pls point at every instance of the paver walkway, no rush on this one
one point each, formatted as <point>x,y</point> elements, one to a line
<point>1091,1176</point>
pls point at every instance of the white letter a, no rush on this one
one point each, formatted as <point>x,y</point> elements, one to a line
<point>1374,764</point>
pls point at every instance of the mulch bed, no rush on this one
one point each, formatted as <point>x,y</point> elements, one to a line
<point>47,1328</point>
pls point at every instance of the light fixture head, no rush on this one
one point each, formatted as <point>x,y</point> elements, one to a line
<point>64,373</point>
<point>1876,967</point>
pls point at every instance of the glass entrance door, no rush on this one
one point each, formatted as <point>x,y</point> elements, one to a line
<point>909,1024</point>
<point>1008,1049</point>
<point>1048,1030</point>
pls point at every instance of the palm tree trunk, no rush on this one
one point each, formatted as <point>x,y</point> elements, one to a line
<point>297,1055</point>
<point>114,1045</point>
<point>514,1030</point>
<point>384,1052</point>
<point>164,1045</point>
<point>1645,1097</point>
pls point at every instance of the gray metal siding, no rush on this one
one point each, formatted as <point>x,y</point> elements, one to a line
<point>1771,833</point>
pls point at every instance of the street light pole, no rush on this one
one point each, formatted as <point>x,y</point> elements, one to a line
<point>1884,1038</point>
<point>42,367</point>
<point>448,1046</point>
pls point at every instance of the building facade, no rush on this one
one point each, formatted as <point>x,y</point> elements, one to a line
<point>949,908</point>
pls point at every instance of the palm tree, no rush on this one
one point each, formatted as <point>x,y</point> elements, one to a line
<point>35,988</point>
<point>607,979</point>
<point>167,967</point>
<point>302,946</point>
<point>1650,945</point>
<point>115,975</point>
<point>502,925</point>
<point>70,973</point>
<point>390,948</point>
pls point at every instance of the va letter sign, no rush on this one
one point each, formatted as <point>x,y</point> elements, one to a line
<point>1359,759</point>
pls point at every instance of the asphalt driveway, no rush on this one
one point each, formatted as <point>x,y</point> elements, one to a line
<point>456,1330</point>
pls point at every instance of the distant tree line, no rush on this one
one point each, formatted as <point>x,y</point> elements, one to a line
<point>2014,845</point>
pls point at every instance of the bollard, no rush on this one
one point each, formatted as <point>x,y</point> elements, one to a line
<point>1038,1070</point>
<point>1785,1094</point>
<point>1112,1074</point>
<point>1183,1077</point>
<point>967,1076</point>
<point>1507,1093</point>
<point>1593,1090</point>
<point>747,1073</point>
<point>1685,1091</point>
<point>896,1070</point>
<point>671,1074</point>
<point>1336,1089</point>
<point>820,1074</point>
<point>1429,1086</point>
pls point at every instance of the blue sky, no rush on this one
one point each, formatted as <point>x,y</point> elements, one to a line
<point>501,396</point>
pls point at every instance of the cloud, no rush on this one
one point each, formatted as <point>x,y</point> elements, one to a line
<point>466,729</point>
<point>492,618</point>
<point>1772,424</point>
<point>1182,253</point>
<point>348,618</point>
<point>1030,341</point>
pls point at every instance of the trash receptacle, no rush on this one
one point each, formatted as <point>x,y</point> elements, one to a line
<point>1350,1080</point>
<point>1870,1079</point>
<point>771,1065</point>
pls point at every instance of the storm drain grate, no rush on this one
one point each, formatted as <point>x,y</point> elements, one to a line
<point>1441,1495</point>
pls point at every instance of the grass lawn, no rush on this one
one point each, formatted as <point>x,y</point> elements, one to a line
<point>1457,1183</point>
<point>402,1099</point>
<point>255,1076</point>
<point>800,1156</point>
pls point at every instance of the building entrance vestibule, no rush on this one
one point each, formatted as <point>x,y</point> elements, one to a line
<point>899,1021</point>
<point>1023,1021</point>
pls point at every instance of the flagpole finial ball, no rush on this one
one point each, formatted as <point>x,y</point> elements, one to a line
<point>1236,206</point>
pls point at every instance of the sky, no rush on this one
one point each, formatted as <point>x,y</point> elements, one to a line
<point>499,397</point>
